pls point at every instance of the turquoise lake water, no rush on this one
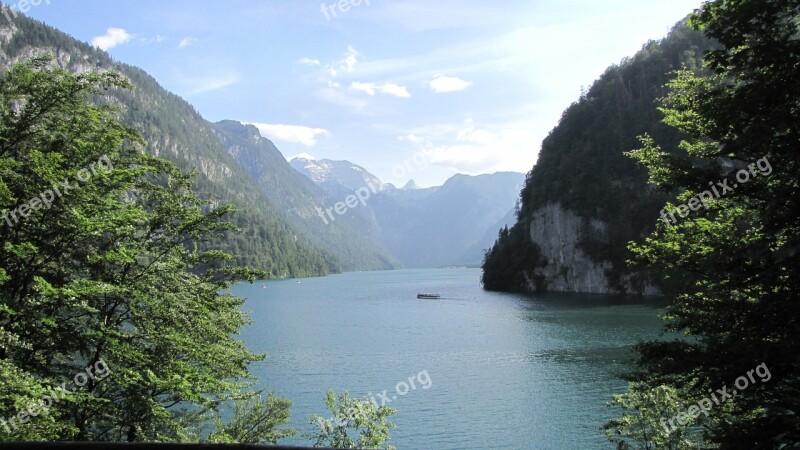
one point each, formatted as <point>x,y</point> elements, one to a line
<point>490,371</point>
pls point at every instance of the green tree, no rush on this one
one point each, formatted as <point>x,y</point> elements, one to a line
<point>107,274</point>
<point>361,416</point>
<point>255,421</point>
<point>511,263</point>
<point>650,421</point>
<point>736,262</point>
<point>18,391</point>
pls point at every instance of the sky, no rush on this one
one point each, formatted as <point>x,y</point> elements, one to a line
<point>408,89</point>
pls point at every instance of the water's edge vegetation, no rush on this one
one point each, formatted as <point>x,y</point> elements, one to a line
<point>117,320</point>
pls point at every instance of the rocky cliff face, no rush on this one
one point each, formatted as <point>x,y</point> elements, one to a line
<point>558,233</point>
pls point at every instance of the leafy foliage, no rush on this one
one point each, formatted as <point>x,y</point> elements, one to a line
<point>649,422</point>
<point>510,265</point>
<point>255,421</point>
<point>736,262</point>
<point>361,416</point>
<point>109,274</point>
<point>18,391</point>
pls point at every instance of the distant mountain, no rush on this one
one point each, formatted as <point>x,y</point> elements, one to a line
<point>269,195</point>
<point>289,223</point>
<point>351,239</point>
<point>584,201</point>
<point>428,227</point>
<point>441,226</point>
<point>410,185</point>
<point>342,173</point>
<point>477,251</point>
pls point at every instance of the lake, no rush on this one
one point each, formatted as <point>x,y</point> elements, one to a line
<point>489,370</point>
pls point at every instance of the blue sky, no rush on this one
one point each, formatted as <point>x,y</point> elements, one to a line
<point>408,89</point>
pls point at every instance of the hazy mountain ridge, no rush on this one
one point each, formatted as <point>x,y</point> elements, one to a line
<point>428,227</point>
<point>445,222</point>
<point>410,185</point>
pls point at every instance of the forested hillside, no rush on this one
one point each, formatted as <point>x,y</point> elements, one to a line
<point>173,129</point>
<point>351,239</point>
<point>584,200</point>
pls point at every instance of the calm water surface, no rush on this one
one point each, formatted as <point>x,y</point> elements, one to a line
<point>506,371</point>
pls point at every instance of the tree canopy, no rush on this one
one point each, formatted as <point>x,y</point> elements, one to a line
<point>101,274</point>
<point>734,257</point>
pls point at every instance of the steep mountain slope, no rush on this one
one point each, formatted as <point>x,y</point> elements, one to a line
<point>585,200</point>
<point>173,129</point>
<point>351,239</point>
<point>342,173</point>
<point>424,227</point>
<point>436,227</point>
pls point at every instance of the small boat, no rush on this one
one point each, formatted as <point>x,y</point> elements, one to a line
<point>429,296</point>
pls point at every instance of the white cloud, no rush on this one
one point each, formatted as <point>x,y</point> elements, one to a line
<point>112,38</point>
<point>442,83</point>
<point>338,73</point>
<point>157,39</point>
<point>210,83</point>
<point>396,90</point>
<point>347,63</point>
<point>414,139</point>
<point>291,133</point>
<point>466,148</point>
<point>185,42</point>
<point>308,61</point>
<point>386,88</point>
<point>367,88</point>
<point>332,94</point>
<point>350,58</point>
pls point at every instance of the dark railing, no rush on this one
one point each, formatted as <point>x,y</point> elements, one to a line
<point>134,446</point>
